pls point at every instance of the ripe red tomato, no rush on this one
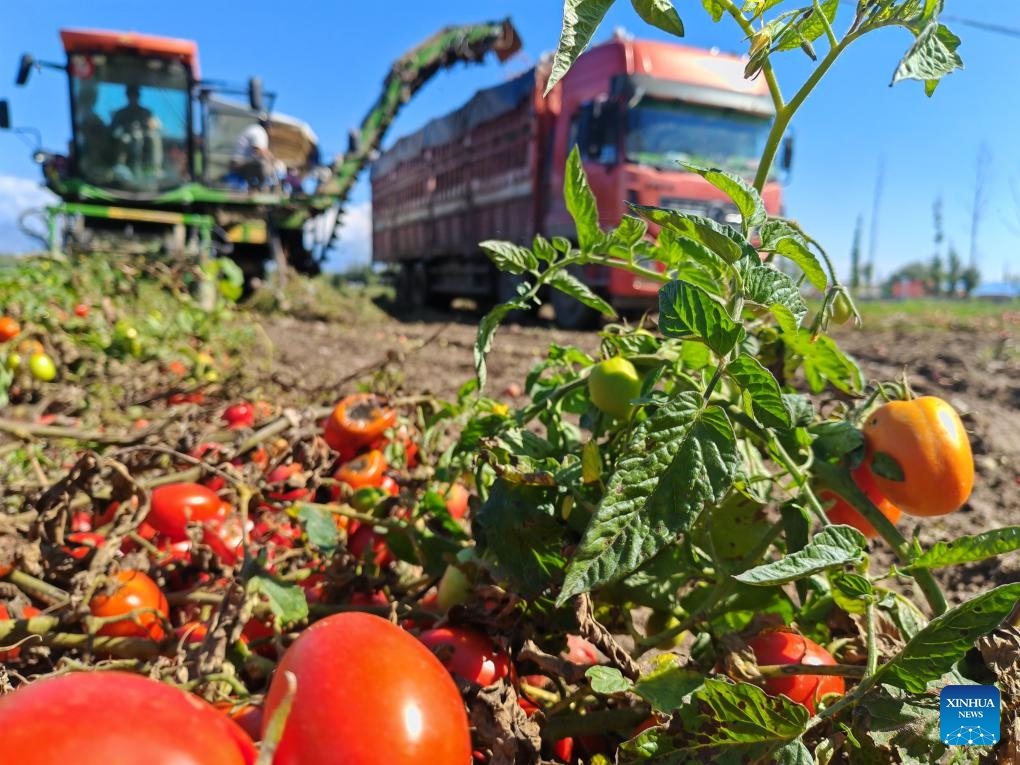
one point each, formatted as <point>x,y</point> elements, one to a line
<point>784,647</point>
<point>365,539</point>
<point>248,716</point>
<point>81,310</point>
<point>240,415</point>
<point>133,590</point>
<point>357,421</point>
<point>98,718</point>
<point>81,543</point>
<point>368,692</point>
<point>278,487</point>
<point>927,440</point>
<point>226,537</point>
<point>26,613</point>
<point>457,500</point>
<point>468,653</point>
<point>364,471</point>
<point>175,505</point>
<point>843,512</point>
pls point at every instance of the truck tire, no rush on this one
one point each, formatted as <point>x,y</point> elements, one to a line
<point>412,287</point>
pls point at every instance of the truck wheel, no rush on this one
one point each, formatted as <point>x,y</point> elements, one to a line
<point>572,313</point>
<point>506,289</point>
<point>412,287</point>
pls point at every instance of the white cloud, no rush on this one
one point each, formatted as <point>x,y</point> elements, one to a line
<point>16,196</point>
<point>353,246</point>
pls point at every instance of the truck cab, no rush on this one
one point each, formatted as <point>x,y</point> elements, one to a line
<point>635,109</point>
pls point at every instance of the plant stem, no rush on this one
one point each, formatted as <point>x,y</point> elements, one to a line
<point>766,70</point>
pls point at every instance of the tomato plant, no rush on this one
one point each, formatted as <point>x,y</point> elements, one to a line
<point>920,456</point>
<point>357,673</point>
<point>55,720</point>
<point>135,606</point>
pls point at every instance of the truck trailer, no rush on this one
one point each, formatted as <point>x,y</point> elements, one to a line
<point>494,168</point>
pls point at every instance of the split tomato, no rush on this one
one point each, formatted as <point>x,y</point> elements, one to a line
<point>358,420</point>
<point>367,692</point>
<point>98,718</point>
<point>785,647</point>
<point>363,472</point>
<point>924,442</point>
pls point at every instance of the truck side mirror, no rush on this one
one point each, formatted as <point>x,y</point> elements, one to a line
<point>24,69</point>
<point>5,115</point>
<point>255,94</point>
<point>786,161</point>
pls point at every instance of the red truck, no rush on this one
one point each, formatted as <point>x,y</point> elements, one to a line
<point>493,169</point>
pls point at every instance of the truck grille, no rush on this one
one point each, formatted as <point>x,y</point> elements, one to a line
<point>721,212</point>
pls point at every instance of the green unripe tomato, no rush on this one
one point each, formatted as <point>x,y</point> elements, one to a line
<point>42,367</point>
<point>660,621</point>
<point>841,309</point>
<point>612,384</point>
<point>13,361</point>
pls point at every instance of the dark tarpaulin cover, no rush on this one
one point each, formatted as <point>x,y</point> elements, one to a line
<point>485,105</point>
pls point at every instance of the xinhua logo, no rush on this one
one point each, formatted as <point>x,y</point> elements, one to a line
<point>969,715</point>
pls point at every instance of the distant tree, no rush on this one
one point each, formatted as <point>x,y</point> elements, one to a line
<point>936,275</point>
<point>970,277</point>
<point>954,270</point>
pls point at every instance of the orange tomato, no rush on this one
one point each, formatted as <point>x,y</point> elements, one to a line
<point>842,512</point>
<point>364,471</point>
<point>9,329</point>
<point>132,590</point>
<point>358,420</point>
<point>925,439</point>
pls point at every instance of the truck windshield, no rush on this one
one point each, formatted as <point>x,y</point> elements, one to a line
<point>130,118</point>
<point>662,133</point>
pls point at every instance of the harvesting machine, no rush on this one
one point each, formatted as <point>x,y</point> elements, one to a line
<point>163,180</point>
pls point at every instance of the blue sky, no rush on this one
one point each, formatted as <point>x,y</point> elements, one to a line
<point>326,61</point>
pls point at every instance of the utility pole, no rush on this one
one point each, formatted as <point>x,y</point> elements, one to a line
<point>873,244</point>
<point>984,158</point>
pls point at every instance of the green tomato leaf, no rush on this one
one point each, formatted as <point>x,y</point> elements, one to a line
<point>780,237</point>
<point>661,14</point>
<point>969,548</point>
<point>744,195</point>
<point>888,720</point>
<point>668,683</point>
<point>520,535</point>
<point>580,20</point>
<point>832,547</point>
<point>607,681</point>
<point>761,385</point>
<point>932,56</point>
<point>727,724</point>
<point>542,248</point>
<point>715,8</point>
<point>821,359</point>
<point>287,601</point>
<point>678,461</point>
<point>486,334</point>
<point>629,233</point>
<point>689,312</point>
<point>935,649</point>
<point>571,285</point>
<point>767,287</point>
<point>835,439</point>
<point>725,241</point>
<point>581,203</point>
<point>808,27</point>
<point>320,527</point>
<point>852,592</point>
<point>510,257</point>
